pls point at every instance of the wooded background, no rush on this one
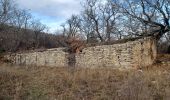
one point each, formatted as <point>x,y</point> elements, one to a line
<point>99,23</point>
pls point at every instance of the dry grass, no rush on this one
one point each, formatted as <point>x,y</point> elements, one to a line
<point>45,83</point>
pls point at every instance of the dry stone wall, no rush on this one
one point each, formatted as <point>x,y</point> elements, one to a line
<point>51,57</point>
<point>132,54</point>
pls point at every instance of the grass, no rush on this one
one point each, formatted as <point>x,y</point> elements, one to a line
<point>49,83</point>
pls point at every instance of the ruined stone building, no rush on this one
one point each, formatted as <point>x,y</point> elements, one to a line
<point>132,54</point>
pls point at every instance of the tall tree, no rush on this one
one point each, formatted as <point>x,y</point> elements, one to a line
<point>6,12</point>
<point>155,14</point>
<point>92,11</point>
<point>73,26</point>
<point>109,14</point>
<point>101,17</point>
<point>38,28</point>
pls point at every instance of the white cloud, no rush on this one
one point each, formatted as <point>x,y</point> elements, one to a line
<point>53,8</point>
<point>51,11</point>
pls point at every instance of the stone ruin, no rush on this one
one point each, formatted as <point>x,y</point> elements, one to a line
<point>132,54</point>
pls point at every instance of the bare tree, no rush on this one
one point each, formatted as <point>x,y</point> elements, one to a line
<point>101,18</point>
<point>92,11</point>
<point>155,14</point>
<point>6,6</point>
<point>64,29</point>
<point>73,25</point>
<point>109,14</point>
<point>38,28</point>
<point>133,28</point>
<point>6,10</point>
<point>87,28</point>
<point>19,31</point>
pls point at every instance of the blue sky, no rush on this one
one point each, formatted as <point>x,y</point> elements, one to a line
<point>51,12</point>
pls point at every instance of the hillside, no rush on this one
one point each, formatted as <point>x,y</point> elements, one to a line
<point>14,40</point>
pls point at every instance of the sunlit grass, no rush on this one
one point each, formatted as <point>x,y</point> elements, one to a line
<point>46,83</point>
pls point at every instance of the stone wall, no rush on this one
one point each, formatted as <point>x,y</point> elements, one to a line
<point>132,54</point>
<point>51,57</point>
